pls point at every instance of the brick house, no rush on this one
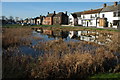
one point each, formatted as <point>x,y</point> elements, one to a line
<point>60,19</point>
<point>48,20</point>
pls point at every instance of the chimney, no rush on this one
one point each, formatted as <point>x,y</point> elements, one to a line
<point>115,3</point>
<point>48,12</point>
<point>66,12</point>
<point>54,12</point>
<point>104,5</point>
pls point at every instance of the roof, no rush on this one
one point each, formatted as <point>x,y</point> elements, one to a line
<point>50,15</point>
<point>74,15</point>
<point>60,14</point>
<point>39,17</point>
<point>78,14</point>
<point>92,11</point>
<point>111,8</point>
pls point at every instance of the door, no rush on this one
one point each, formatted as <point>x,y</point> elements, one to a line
<point>103,22</point>
<point>87,23</point>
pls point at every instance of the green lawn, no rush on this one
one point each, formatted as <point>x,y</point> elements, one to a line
<point>107,75</point>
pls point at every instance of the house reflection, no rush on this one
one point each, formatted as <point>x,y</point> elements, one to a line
<point>92,36</point>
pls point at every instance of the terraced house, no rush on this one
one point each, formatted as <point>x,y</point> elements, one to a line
<point>60,19</point>
<point>38,20</point>
<point>74,18</point>
<point>108,16</point>
<point>48,20</point>
<point>90,18</point>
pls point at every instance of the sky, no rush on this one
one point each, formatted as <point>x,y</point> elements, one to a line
<point>58,0</point>
<point>34,9</point>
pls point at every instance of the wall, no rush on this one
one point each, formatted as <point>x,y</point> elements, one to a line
<point>110,18</point>
<point>86,18</point>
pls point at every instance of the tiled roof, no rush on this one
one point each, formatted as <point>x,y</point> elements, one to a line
<point>50,15</point>
<point>78,14</point>
<point>92,11</point>
<point>74,15</point>
<point>111,8</point>
<point>39,17</point>
<point>60,14</point>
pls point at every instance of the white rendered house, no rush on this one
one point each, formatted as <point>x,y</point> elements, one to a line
<point>73,20</point>
<point>90,18</point>
<point>110,16</point>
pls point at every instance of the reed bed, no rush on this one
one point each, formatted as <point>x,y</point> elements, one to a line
<point>60,59</point>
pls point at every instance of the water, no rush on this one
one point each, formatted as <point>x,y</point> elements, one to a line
<point>67,36</point>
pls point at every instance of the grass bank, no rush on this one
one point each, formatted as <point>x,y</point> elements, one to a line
<point>107,75</point>
<point>58,27</point>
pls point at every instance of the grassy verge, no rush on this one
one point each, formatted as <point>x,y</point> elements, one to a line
<point>59,27</point>
<point>75,28</point>
<point>107,75</point>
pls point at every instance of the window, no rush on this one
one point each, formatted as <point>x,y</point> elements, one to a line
<point>90,16</point>
<point>95,15</point>
<point>70,19</point>
<point>83,16</point>
<point>115,22</point>
<point>103,15</point>
<point>90,23</point>
<point>116,14</point>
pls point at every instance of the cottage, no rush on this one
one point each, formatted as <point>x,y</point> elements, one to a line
<point>110,16</point>
<point>73,19</point>
<point>38,20</point>
<point>48,20</point>
<point>60,19</point>
<point>90,18</point>
<point>32,21</point>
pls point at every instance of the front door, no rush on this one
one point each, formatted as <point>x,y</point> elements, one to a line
<point>87,23</point>
<point>103,22</point>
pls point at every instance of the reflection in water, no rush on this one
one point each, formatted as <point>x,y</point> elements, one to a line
<point>92,36</point>
<point>75,36</point>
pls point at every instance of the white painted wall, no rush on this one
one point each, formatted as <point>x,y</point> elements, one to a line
<point>79,21</point>
<point>38,21</point>
<point>71,20</point>
<point>110,18</point>
<point>91,21</point>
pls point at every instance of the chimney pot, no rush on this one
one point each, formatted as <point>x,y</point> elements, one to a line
<point>54,12</point>
<point>104,5</point>
<point>66,12</point>
<point>115,3</point>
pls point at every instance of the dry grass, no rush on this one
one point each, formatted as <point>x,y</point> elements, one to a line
<point>15,36</point>
<point>60,59</point>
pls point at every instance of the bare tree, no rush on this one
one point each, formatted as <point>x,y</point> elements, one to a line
<point>11,18</point>
<point>4,17</point>
<point>16,19</point>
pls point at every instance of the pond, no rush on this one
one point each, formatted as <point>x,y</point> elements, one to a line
<point>92,36</point>
<point>66,36</point>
